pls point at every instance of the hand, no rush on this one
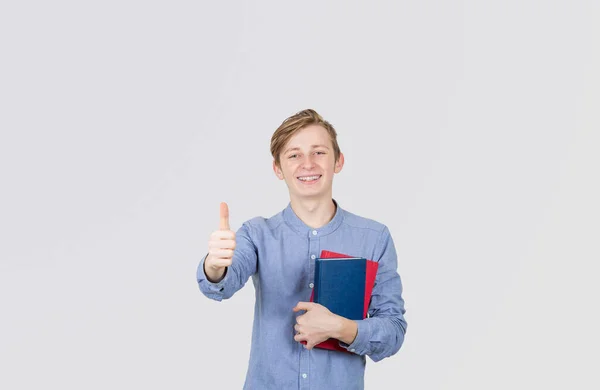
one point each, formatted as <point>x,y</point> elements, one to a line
<point>316,325</point>
<point>221,246</point>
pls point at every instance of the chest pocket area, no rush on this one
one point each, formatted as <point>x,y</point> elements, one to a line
<point>283,276</point>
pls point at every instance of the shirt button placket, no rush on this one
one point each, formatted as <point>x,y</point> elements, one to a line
<point>313,243</point>
<point>311,285</point>
<point>304,381</point>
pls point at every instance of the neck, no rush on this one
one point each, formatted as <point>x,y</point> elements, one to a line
<point>314,212</point>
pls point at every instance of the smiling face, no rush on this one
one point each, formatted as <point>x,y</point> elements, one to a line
<point>308,164</point>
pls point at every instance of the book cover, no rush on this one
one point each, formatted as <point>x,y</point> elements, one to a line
<point>370,273</point>
<point>340,285</point>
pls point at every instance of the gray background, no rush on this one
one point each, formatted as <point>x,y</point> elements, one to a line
<point>470,128</point>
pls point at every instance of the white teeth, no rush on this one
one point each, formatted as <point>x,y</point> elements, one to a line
<point>309,178</point>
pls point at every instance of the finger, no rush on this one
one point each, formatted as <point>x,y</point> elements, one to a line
<point>222,235</point>
<point>224,224</point>
<point>221,253</point>
<point>303,306</point>
<point>222,244</point>
<point>300,337</point>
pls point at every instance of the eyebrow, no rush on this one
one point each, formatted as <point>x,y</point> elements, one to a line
<point>312,146</point>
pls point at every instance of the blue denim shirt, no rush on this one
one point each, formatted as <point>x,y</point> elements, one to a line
<point>279,254</point>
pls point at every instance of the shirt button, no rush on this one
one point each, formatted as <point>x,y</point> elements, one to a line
<point>313,257</point>
<point>352,350</point>
<point>314,232</point>
<point>311,285</point>
<point>304,376</point>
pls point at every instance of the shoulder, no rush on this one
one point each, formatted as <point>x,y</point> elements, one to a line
<point>260,223</point>
<point>358,222</point>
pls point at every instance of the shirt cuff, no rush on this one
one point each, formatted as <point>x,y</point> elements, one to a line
<point>210,289</point>
<point>361,342</point>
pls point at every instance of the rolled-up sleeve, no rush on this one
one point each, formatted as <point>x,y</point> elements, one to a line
<point>382,334</point>
<point>243,265</point>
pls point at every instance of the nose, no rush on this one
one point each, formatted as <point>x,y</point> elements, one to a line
<point>308,163</point>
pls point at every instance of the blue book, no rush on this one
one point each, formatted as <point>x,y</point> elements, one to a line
<point>340,284</point>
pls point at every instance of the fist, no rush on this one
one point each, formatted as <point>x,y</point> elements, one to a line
<point>221,244</point>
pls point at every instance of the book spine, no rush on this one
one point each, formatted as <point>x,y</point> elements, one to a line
<point>317,280</point>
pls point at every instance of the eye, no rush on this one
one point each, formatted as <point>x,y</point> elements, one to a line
<point>293,156</point>
<point>321,152</point>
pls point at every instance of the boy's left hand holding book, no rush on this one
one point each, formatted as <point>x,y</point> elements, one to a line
<point>318,324</point>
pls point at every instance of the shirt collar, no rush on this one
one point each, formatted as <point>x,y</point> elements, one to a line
<point>303,229</point>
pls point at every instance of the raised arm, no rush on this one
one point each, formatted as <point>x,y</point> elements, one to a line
<point>230,261</point>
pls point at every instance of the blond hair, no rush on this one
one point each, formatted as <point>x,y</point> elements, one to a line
<point>295,123</point>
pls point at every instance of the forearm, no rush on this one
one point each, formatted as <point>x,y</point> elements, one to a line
<point>378,337</point>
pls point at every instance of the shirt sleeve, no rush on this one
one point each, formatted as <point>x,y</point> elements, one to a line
<point>243,265</point>
<point>382,334</point>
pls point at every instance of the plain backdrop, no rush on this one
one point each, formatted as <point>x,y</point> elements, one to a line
<point>470,128</point>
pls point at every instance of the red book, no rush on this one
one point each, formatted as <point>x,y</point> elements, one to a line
<point>371,273</point>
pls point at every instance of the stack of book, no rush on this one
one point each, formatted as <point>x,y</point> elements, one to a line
<point>343,284</point>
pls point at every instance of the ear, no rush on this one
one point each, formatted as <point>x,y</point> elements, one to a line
<point>277,171</point>
<point>339,164</point>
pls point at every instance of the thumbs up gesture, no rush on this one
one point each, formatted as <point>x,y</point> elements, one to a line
<point>221,245</point>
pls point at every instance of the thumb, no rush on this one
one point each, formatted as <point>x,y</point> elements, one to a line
<point>224,223</point>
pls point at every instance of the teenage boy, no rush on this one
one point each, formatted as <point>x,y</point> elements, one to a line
<point>279,254</point>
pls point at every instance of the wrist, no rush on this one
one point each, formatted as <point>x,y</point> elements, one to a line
<point>214,274</point>
<point>338,326</point>
<point>346,330</point>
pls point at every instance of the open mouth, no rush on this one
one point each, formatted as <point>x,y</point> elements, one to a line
<point>309,179</point>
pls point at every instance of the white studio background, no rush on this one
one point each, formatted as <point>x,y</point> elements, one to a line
<point>470,128</point>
